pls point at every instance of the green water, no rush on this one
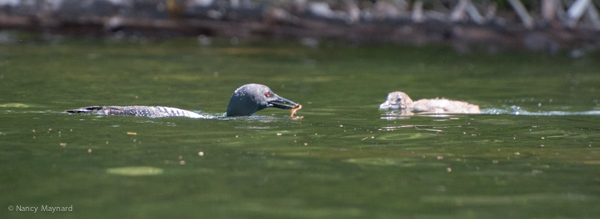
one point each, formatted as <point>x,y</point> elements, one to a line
<point>344,159</point>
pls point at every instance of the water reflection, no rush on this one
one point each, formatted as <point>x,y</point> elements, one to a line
<point>512,110</point>
<point>261,119</point>
<point>406,114</point>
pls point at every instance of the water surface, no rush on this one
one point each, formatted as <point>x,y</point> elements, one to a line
<point>534,154</point>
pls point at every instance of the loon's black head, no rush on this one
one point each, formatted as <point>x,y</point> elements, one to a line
<point>396,100</point>
<point>249,98</point>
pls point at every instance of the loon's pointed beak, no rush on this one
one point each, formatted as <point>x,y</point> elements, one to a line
<point>282,103</point>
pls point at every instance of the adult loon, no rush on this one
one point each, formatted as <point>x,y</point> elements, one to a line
<point>245,101</point>
<point>400,100</point>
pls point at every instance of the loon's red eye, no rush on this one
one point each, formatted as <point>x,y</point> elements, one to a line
<point>268,94</point>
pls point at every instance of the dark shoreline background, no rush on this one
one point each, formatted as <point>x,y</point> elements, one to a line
<point>468,26</point>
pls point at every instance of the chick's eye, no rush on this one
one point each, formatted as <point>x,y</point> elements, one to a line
<point>268,94</point>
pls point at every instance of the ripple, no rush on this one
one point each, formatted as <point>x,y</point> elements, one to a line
<point>135,171</point>
<point>16,105</point>
<point>390,161</point>
<point>516,110</point>
<point>504,199</point>
<point>405,136</point>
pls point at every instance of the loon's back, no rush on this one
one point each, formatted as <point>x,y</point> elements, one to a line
<point>445,106</point>
<point>147,111</point>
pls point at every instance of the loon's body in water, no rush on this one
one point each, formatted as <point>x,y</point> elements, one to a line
<point>245,101</point>
<point>398,100</point>
<point>147,111</point>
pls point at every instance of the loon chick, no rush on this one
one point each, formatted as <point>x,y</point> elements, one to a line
<point>400,100</point>
<point>245,101</point>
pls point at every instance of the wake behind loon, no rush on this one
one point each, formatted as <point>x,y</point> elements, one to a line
<point>245,101</point>
<point>400,100</point>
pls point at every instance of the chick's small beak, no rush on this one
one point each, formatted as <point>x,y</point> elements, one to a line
<point>385,105</point>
